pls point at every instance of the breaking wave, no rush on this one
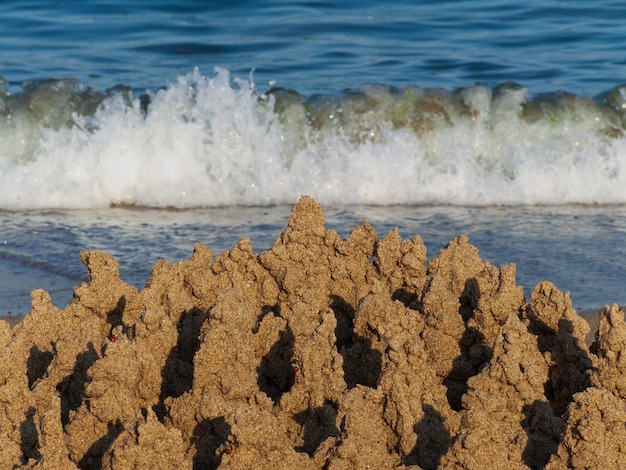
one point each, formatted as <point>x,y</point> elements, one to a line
<point>207,141</point>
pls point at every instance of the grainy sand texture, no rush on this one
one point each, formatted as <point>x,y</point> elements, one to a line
<point>322,352</point>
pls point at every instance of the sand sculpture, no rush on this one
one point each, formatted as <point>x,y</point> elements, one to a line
<point>321,352</point>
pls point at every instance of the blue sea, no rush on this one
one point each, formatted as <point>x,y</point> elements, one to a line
<point>140,128</point>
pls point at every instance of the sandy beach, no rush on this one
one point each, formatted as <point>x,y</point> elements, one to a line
<point>321,352</point>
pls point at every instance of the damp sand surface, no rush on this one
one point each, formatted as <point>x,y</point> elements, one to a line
<point>321,352</point>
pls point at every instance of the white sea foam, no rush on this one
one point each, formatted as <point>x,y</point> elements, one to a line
<point>215,141</point>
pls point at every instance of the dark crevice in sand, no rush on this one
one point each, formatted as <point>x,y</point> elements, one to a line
<point>542,442</point>
<point>474,356</point>
<point>276,374</point>
<point>92,460</point>
<point>318,424</point>
<point>30,436</point>
<point>570,361</point>
<point>178,370</point>
<point>37,364</point>
<point>208,436</point>
<point>344,314</point>
<point>571,372</point>
<point>361,363</point>
<point>71,389</point>
<point>433,440</point>
<point>114,318</point>
<point>469,299</point>
<point>409,299</point>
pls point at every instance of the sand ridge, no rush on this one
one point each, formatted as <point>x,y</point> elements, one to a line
<point>321,352</point>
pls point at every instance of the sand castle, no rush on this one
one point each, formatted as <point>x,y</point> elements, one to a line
<point>321,352</point>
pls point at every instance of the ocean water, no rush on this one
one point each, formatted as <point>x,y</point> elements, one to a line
<point>140,128</point>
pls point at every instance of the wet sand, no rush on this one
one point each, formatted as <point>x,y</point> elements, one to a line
<point>321,352</point>
<point>12,321</point>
